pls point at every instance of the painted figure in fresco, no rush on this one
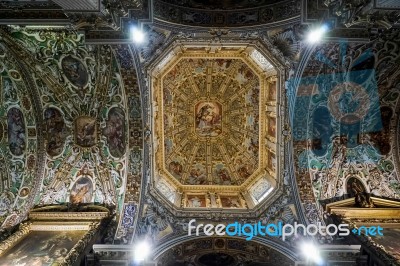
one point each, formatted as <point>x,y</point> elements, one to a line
<point>208,120</point>
<point>176,168</point>
<point>75,71</point>
<point>16,131</point>
<point>55,131</point>
<point>197,177</point>
<point>243,169</point>
<point>230,202</point>
<point>194,202</point>
<point>115,132</point>
<point>223,176</point>
<point>86,132</point>
<point>82,190</point>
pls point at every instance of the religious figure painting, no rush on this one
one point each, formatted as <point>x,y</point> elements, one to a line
<point>56,131</point>
<point>222,175</point>
<point>243,168</point>
<point>272,91</point>
<point>82,191</point>
<point>390,241</point>
<point>272,126</point>
<point>176,168</point>
<point>85,131</point>
<point>196,201</point>
<point>41,248</point>
<point>197,175</point>
<point>208,118</point>
<point>16,131</point>
<point>75,71</point>
<point>115,132</point>
<point>230,202</point>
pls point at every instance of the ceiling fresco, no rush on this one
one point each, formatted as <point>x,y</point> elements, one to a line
<point>215,127</point>
<point>82,126</point>
<point>211,121</point>
<point>195,123</point>
<point>338,139</point>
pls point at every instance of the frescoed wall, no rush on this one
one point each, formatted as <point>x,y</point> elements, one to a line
<point>69,144</point>
<point>343,114</point>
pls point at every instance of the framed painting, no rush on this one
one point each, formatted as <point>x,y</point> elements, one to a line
<point>230,201</point>
<point>85,131</point>
<point>271,127</point>
<point>51,238</point>
<point>196,201</point>
<point>272,90</point>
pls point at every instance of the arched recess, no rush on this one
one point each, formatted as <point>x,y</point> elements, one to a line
<point>232,251</point>
<point>21,136</point>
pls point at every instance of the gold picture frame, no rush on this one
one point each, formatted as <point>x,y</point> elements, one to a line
<point>58,237</point>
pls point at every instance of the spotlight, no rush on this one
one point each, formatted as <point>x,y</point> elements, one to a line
<point>141,251</point>
<point>137,35</point>
<point>311,252</point>
<point>316,35</point>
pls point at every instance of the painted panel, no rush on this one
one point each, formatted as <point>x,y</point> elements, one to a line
<point>16,131</point>
<point>82,191</point>
<point>75,71</point>
<point>115,132</point>
<point>208,119</point>
<point>85,131</point>
<point>230,202</point>
<point>41,248</point>
<point>196,201</point>
<point>56,131</point>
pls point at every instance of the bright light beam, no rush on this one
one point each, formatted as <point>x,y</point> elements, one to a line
<point>311,252</point>
<point>137,35</point>
<point>141,251</point>
<point>315,36</point>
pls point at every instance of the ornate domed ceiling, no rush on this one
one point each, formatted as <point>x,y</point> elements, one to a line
<point>211,121</point>
<point>215,125</point>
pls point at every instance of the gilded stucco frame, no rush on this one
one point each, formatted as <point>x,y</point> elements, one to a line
<point>59,221</point>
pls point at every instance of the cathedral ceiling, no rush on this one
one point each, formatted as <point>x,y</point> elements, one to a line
<point>87,123</point>
<point>71,125</point>
<point>215,126</point>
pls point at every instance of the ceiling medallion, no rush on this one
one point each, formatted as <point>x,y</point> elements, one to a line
<point>211,124</point>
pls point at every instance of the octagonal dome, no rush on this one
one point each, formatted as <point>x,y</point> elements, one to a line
<point>211,121</point>
<point>214,126</point>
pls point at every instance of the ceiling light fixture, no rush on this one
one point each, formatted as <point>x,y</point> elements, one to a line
<point>315,36</point>
<point>137,35</point>
<point>141,251</point>
<point>311,253</point>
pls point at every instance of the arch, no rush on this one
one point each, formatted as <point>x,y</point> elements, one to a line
<point>186,239</point>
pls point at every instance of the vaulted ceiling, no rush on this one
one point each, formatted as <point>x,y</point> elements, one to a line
<point>223,113</point>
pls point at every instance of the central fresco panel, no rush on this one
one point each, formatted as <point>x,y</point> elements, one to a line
<point>211,121</point>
